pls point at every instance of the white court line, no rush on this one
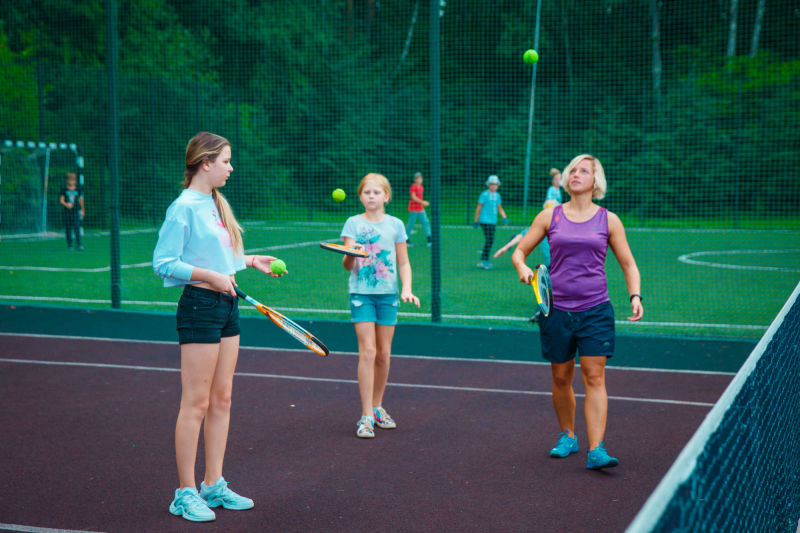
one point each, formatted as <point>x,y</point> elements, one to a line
<point>347,381</point>
<point>355,354</point>
<point>25,268</point>
<point>696,325</point>
<point>31,529</point>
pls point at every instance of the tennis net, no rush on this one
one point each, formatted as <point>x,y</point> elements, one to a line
<point>741,469</point>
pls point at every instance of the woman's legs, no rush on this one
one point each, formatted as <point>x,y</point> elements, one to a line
<point>564,395</point>
<point>596,406</point>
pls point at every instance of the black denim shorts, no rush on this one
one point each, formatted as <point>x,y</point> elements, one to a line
<point>205,316</point>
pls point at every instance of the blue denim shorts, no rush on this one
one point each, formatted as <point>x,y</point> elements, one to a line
<point>585,333</point>
<point>205,316</point>
<point>378,308</point>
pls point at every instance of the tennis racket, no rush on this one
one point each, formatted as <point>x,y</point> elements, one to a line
<point>288,325</point>
<point>542,289</point>
<point>342,249</point>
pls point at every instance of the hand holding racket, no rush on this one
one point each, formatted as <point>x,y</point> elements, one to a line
<point>288,325</point>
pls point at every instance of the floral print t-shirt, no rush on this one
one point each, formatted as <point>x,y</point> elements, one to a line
<point>376,274</point>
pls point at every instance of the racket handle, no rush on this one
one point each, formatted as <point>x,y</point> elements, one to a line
<point>239,293</point>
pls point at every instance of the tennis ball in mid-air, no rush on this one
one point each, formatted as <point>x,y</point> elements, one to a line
<point>278,266</point>
<point>530,57</point>
<point>338,195</point>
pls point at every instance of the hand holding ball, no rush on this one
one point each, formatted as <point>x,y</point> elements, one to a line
<point>338,195</point>
<point>277,266</point>
<point>530,57</point>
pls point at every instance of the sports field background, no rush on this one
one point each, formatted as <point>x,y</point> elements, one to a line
<point>703,293</point>
<point>694,118</point>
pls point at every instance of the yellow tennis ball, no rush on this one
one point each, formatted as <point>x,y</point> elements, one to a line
<point>338,195</point>
<point>530,57</point>
<point>278,266</point>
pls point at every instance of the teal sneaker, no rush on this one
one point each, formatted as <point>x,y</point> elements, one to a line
<point>191,506</point>
<point>219,494</point>
<point>599,458</point>
<point>565,446</point>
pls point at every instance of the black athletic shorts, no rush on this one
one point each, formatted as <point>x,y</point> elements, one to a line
<point>584,333</point>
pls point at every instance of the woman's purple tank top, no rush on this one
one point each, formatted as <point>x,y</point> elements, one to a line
<point>578,259</point>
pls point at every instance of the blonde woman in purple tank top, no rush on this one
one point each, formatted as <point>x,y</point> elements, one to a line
<point>581,321</point>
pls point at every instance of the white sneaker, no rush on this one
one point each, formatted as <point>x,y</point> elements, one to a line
<point>382,419</point>
<point>365,430</point>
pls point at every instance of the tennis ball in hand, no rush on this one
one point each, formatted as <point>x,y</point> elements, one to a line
<point>338,195</point>
<point>277,266</point>
<point>530,57</point>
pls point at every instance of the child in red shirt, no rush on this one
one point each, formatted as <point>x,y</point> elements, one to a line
<point>416,208</point>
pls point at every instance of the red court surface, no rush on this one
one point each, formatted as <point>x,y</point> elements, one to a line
<point>87,442</point>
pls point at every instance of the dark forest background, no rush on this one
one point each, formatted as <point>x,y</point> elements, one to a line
<point>693,106</point>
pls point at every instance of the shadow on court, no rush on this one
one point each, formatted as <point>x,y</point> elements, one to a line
<point>89,446</point>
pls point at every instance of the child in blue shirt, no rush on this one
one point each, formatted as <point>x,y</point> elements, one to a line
<point>489,205</point>
<point>552,199</point>
<point>373,295</point>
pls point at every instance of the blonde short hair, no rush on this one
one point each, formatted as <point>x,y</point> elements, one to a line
<point>599,191</point>
<point>378,179</point>
<point>554,171</point>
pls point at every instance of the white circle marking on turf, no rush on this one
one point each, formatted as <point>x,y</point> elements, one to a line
<point>690,259</point>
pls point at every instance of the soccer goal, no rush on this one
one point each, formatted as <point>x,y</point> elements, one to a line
<point>31,176</point>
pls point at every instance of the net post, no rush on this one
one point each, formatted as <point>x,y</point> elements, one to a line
<point>527,181</point>
<point>112,45</point>
<point>436,163</point>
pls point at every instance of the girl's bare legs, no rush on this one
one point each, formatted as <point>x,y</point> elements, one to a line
<point>367,350</point>
<point>215,430</point>
<point>198,364</point>
<point>383,337</point>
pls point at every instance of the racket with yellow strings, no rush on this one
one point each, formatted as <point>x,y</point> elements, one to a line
<point>540,281</point>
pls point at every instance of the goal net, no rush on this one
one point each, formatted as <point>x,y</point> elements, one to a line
<point>32,175</point>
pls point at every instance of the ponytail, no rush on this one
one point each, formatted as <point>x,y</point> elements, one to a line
<point>207,146</point>
<point>229,221</point>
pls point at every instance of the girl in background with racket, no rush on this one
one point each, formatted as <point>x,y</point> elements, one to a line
<point>200,249</point>
<point>373,294</point>
<point>581,320</point>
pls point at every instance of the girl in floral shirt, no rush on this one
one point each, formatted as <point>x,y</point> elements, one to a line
<point>373,294</point>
